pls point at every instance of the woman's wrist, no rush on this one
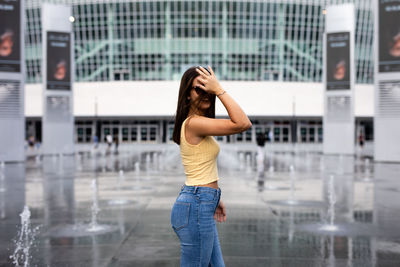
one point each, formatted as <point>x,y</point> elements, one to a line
<point>219,92</point>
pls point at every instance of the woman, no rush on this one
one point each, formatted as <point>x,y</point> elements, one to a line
<point>198,203</point>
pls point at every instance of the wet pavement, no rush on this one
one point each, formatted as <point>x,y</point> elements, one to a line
<point>302,209</point>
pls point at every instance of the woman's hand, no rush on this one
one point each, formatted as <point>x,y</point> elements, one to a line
<point>220,212</point>
<point>209,81</point>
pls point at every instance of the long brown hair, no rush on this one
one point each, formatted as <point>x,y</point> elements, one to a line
<point>183,107</point>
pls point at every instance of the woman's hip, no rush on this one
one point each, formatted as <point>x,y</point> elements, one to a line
<point>194,207</point>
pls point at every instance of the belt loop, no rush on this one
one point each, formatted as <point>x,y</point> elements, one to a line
<point>195,189</point>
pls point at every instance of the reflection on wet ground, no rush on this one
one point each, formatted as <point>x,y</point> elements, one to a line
<point>298,209</point>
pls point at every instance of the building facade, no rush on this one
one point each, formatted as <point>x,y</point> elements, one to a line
<point>253,41</point>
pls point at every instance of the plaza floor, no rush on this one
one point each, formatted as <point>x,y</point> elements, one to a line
<point>105,209</point>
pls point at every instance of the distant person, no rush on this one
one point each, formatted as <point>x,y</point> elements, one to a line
<point>109,140</point>
<point>95,141</point>
<point>361,140</point>
<point>260,154</point>
<point>116,142</point>
<point>270,136</point>
<point>199,199</point>
<point>31,142</point>
<point>260,138</point>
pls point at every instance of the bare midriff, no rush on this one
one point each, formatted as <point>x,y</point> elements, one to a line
<point>212,185</point>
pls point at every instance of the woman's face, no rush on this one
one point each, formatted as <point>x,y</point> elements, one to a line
<point>60,71</point>
<point>395,50</point>
<point>200,99</point>
<point>340,71</point>
<point>6,44</point>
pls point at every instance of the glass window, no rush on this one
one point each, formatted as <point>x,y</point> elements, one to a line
<point>125,134</point>
<point>88,138</point>
<point>141,27</point>
<point>320,134</point>
<point>303,134</point>
<point>277,134</point>
<point>285,134</point>
<point>134,134</point>
<point>170,133</point>
<point>153,132</point>
<point>311,132</point>
<point>248,135</point>
<point>239,137</point>
<point>143,133</point>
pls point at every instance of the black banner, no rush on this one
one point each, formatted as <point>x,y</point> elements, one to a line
<point>389,35</point>
<point>338,61</point>
<point>10,35</point>
<point>58,61</point>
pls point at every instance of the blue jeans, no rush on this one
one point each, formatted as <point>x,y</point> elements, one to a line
<point>192,218</point>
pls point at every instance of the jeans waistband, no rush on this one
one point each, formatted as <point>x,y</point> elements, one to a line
<point>195,189</point>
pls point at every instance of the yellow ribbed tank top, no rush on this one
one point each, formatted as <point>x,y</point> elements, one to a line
<point>199,161</point>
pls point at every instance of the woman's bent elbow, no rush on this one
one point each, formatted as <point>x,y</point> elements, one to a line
<point>247,126</point>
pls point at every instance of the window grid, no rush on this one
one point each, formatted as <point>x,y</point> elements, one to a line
<point>243,40</point>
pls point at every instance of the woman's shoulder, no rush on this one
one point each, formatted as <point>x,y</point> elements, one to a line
<point>191,117</point>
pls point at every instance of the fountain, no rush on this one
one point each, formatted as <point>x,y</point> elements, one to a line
<point>331,211</point>
<point>292,199</point>
<point>331,227</point>
<point>331,258</point>
<point>229,160</point>
<point>119,201</point>
<point>136,187</point>
<point>264,183</point>
<point>367,175</point>
<point>248,163</point>
<point>271,169</point>
<point>156,160</point>
<point>94,226</point>
<point>260,161</point>
<point>83,229</point>
<point>321,164</point>
<point>241,160</point>
<point>340,170</point>
<point>60,164</point>
<point>148,161</point>
<point>161,160</point>
<point>37,160</point>
<point>26,237</point>
<point>137,167</point>
<point>309,161</point>
<point>2,207</point>
<point>2,182</point>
